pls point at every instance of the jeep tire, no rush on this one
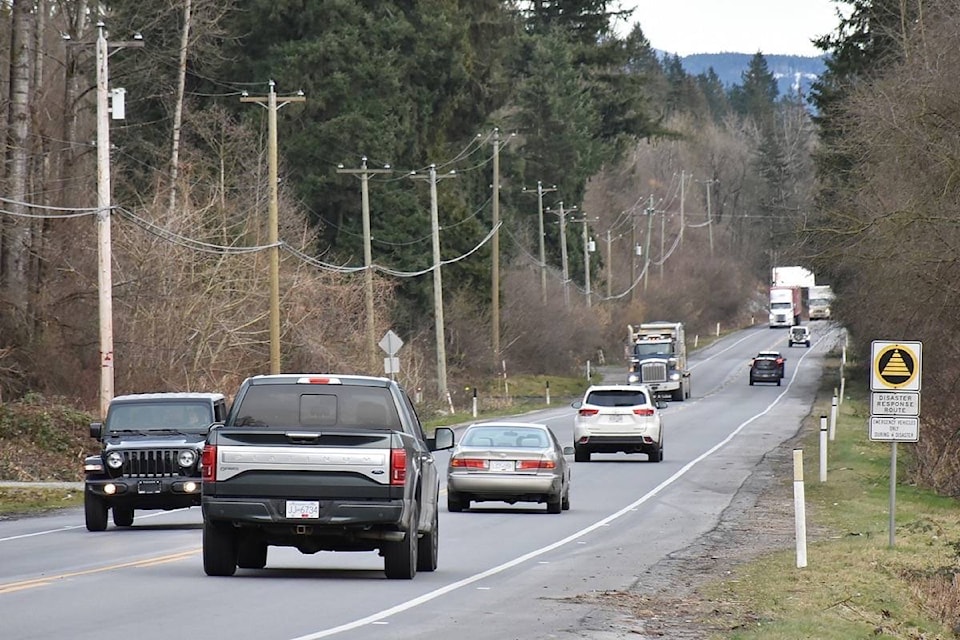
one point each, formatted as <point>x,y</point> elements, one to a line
<point>94,512</point>
<point>122,516</point>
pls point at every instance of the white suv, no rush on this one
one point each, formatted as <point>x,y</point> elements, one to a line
<point>616,417</point>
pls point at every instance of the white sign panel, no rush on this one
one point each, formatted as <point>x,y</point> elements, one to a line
<point>390,343</point>
<point>895,403</point>
<point>894,429</point>
<point>896,366</point>
<point>391,365</point>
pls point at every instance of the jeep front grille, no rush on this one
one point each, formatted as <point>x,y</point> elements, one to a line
<point>151,463</point>
<point>653,372</point>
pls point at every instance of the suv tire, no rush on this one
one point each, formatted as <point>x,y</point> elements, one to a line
<point>581,454</point>
<point>94,512</point>
<point>219,549</point>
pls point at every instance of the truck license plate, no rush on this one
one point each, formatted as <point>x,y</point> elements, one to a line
<point>148,486</point>
<point>303,509</point>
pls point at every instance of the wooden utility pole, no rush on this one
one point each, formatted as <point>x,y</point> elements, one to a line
<point>663,225</point>
<point>586,261</point>
<point>609,264</point>
<point>563,254</point>
<point>495,248</point>
<point>543,257</point>
<point>683,179</point>
<point>709,184</point>
<point>365,174</point>
<point>437,280</point>
<point>646,250</point>
<point>273,237</point>
<point>633,255</point>
<point>104,204</point>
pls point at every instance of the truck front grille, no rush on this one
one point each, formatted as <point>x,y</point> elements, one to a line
<point>653,372</point>
<point>151,463</point>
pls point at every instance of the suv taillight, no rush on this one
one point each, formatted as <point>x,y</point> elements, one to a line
<point>208,463</point>
<point>643,412</point>
<point>589,412</point>
<point>398,466</point>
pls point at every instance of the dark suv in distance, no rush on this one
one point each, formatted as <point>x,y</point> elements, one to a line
<point>765,370</point>
<point>150,450</point>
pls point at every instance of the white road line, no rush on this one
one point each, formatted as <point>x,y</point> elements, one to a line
<point>436,593</point>
<point>78,526</point>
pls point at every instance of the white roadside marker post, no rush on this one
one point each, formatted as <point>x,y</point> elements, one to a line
<point>800,517</point>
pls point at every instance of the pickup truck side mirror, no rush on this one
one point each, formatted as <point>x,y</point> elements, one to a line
<point>442,439</point>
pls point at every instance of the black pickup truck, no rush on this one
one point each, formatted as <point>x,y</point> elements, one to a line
<point>321,462</point>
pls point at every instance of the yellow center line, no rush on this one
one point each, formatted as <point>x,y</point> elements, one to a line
<point>147,562</point>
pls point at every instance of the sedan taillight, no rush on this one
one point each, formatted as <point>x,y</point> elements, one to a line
<point>643,412</point>
<point>589,412</point>
<point>468,463</point>
<point>530,465</point>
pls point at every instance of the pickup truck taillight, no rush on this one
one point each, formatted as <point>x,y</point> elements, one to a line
<point>208,463</point>
<point>398,466</point>
<point>643,412</point>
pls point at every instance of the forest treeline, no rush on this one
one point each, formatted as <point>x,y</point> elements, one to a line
<point>633,150</point>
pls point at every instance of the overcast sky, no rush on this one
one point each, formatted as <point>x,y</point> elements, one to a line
<point>742,26</point>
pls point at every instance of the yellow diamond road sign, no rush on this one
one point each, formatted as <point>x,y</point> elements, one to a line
<point>896,365</point>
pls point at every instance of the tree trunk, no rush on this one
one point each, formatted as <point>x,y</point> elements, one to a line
<point>17,240</point>
<point>178,107</point>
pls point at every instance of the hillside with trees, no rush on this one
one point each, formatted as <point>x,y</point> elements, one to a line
<point>708,181</point>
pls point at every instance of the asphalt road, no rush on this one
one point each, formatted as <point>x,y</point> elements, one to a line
<point>505,571</point>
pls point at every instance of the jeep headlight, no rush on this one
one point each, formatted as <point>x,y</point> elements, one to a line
<point>632,378</point>
<point>187,458</point>
<point>114,460</point>
<point>674,376</point>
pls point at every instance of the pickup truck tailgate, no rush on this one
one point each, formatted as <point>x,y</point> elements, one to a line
<point>347,465</point>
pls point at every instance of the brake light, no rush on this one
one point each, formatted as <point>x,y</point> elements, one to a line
<point>589,412</point>
<point>643,412</point>
<point>208,463</point>
<point>318,380</point>
<point>468,463</point>
<point>398,466</point>
<point>528,465</point>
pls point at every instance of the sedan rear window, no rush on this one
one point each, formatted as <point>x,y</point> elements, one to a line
<point>617,398</point>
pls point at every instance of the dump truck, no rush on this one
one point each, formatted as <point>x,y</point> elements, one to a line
<point>658,359</point>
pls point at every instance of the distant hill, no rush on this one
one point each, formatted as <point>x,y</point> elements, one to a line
<point>792,72</point>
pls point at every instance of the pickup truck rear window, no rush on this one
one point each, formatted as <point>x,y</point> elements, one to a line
<point>313,407</point>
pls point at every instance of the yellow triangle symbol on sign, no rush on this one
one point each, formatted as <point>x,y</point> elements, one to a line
<point>895,366</point>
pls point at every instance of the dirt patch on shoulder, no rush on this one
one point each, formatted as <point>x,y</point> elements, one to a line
<point>667,601</point>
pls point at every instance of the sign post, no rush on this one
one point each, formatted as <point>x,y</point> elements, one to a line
<point>895,402</point>
<point>391,343</point>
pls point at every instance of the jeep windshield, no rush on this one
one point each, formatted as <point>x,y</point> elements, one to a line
<point>332,406</point>
<point>166,417</point>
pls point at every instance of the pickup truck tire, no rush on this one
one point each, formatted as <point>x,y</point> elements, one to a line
<point>454,502</point>
<point>428,547</point>
<point>94,513</point>
<point>251,553</point>
<point>219,549</point>
<point>580,454</point>
<point>554,504</point>
<point>122,516</point>
<point>400,558</point>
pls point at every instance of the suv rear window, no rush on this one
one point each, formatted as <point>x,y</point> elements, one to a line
<point>765,364</point>
<point>312,406</point>
<point>617,398</point>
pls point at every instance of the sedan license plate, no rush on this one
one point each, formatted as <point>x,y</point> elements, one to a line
<point>149,486</point>
<point>502,465</point>
<point>303,509</point>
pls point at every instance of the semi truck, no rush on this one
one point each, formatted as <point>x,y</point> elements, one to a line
<point>658,359</point>
<point>821,297</point>
<point>787,306</point>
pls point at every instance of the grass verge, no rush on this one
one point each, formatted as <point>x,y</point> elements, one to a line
<point>34,500</point>
<point>855,585</point>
